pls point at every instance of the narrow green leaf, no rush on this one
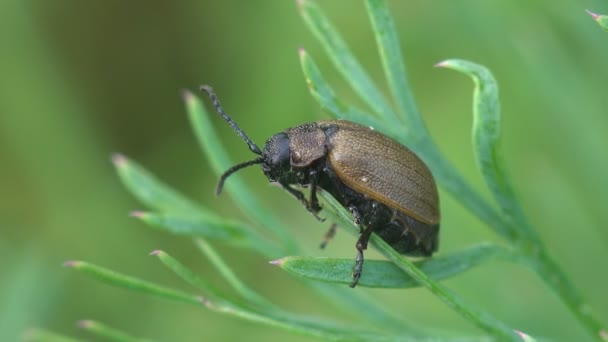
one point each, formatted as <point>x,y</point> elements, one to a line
<point>186,274</point>
<point>108,333</point>
<point>394,66</point>
<point>210,227</point>
<point>344,60</point>
<point>384,274</point>
<point>41,335</point>
<point>151,191</point>
<point>324,94</point>
<point>600,19</point>
<point>210,291</point>
<point>131,283</point>
<point>218,157</point>
<point>293,324</point>
<point>232,279</point>
<point>486,137</point>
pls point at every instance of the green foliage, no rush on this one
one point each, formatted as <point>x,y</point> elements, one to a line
<point>265,236</point>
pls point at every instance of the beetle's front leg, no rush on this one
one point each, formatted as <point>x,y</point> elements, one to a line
<point>314,201</point>
<point>300,196</point>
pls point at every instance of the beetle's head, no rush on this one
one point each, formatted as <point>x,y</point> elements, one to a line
<point>276,161</point>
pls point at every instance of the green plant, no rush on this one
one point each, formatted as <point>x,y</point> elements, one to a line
<point>175,214</point>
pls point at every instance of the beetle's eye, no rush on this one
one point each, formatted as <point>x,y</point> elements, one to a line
<point>277,149</point>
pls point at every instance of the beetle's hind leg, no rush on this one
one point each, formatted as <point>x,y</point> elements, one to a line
<point>361,246</point>
<point>370,225</point>
<point>331,232</point>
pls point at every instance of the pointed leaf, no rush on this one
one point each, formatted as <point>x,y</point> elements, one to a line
<point>486,136</point>
<point>384,274</point>
<point>324,94</point>
<point>151,191</point>
<point>131,283</point>
<point>600,19</point>
<point>210,227</point>
<point>344,60</point>
<point>394,66</point>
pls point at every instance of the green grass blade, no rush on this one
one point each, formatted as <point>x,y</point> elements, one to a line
<point>117,279</point>
<point>210,227</point>
<point>218,157</point>
<point>394,66</point>
<point>41,335</point>
<point>108,333</point>
<point>600,19</point>
<point>344,60</point>
<point>384,274</point>
<point>151,191</point>
<point>486,137</point>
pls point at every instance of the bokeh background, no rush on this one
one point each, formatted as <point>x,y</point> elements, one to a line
<point>80,80</point>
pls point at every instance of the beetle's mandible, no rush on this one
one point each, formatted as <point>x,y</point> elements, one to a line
<point>385,186</point>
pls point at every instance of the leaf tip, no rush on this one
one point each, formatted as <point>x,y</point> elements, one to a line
<point>157,252</point>
<point>203,301</point>
<point>71,263</point>
<point>277,262</point>
<point>442,64</point>
<point>119,160</point>
<point>525,337</point>
<point>595,16</point>
<point>137,214</point>
<point>85,324</point>
<point>187,95</point>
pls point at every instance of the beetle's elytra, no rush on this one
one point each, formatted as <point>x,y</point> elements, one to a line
<point>385,186</point>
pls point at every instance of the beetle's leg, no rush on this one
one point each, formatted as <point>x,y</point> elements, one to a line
<point>300,196</point>
<point>331,232</point>
<point>314,201</point>
<point>361,246</point>
<point>356,216</point>
<point>371,224</point>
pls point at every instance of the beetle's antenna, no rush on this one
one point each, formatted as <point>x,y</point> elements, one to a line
<point>235,168</point>
<point>218,107</point>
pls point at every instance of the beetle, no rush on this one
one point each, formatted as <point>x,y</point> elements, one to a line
<point>385,186</point>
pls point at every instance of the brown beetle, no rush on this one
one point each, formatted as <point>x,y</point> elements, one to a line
<point>385,186</point>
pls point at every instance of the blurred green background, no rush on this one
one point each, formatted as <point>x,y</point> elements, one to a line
<point>80,80</point>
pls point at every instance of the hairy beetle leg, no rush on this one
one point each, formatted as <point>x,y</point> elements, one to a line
<point>361,246</point>
<point>331,232</point>
<point>356,214</point>
<point>314,210</point>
